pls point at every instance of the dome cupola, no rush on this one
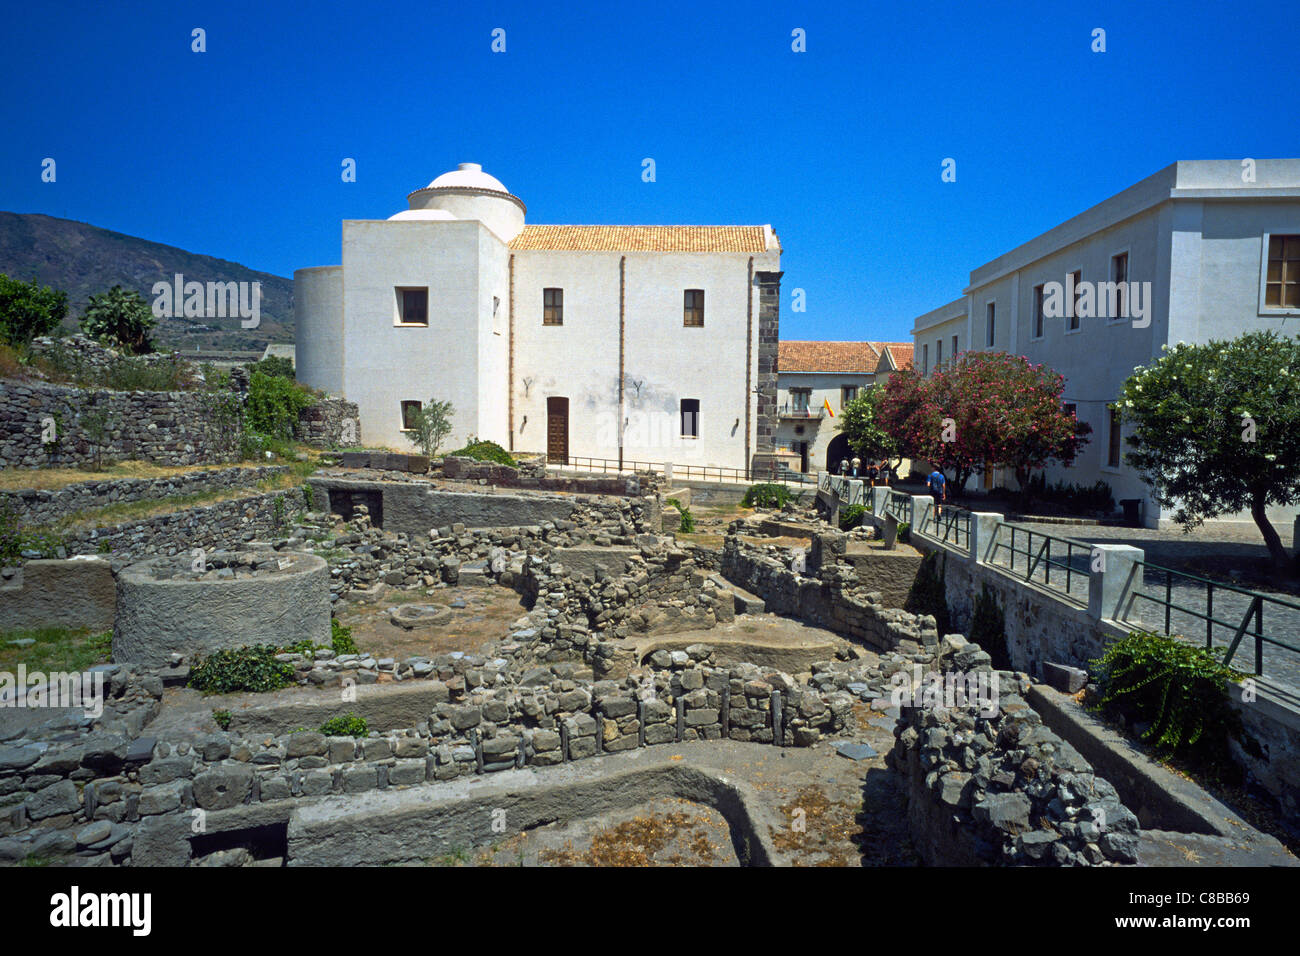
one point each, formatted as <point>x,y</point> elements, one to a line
<point>467,192</point>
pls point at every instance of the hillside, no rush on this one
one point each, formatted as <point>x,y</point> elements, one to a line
<point>83,260</point>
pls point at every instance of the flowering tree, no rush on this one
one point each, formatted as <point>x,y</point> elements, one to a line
<point>1012,413</point>
<point>1216,429</point>
<point>988,409</point>
<point>859,422</point>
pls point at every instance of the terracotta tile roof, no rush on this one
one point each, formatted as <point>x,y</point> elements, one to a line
<point>644,238</point>
<point>900,353</point>
<point>854,357</point>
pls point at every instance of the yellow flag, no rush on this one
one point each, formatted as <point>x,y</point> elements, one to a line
<point>827,402</point>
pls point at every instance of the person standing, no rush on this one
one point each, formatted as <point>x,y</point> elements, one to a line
<point>857,465</point>
<point>844,467</point>
<point>938,486</point>
<point>886,473</point>
<point>872,474</point>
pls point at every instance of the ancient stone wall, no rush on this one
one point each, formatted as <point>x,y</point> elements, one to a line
<point>107,795</point>
<point>330,423</point>
<point>226,526</point>
<point>1003,790</point>
<point>167,428</point>
<point>41,506</point>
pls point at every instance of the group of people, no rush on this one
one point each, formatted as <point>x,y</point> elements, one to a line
<point>881,472</point>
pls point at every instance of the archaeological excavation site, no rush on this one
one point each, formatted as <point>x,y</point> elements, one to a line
<point>388,660</point>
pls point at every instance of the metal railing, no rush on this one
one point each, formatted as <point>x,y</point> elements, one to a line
<point>899,505</point>
<point>1036,552</point>
<point>789,410</point>
<point>608,465</point>
<point>950,526</point>
<point>1237,607</point>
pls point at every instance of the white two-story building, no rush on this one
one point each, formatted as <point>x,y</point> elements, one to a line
<point>815,380</point>
<point>1201,250</point>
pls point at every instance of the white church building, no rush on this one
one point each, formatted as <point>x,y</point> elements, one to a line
<point>623,343</point>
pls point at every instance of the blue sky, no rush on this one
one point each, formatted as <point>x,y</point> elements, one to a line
<point>236,152</point>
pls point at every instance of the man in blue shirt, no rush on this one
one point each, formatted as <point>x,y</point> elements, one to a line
<point>938,486</point>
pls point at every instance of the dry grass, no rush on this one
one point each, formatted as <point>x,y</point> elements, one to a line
<point>50,479</point>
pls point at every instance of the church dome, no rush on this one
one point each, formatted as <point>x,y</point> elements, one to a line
<point>469,194</point>
<point>468,176</point>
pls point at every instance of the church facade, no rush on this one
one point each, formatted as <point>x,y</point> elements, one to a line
<point>631,343</point>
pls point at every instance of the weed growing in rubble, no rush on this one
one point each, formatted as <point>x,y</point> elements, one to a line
<point>345,725</point>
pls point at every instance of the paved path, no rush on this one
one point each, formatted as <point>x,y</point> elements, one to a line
<point>1166,547</point>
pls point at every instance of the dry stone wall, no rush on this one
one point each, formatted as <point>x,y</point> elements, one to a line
<point>44,506</point>
<point>167,428</point>
<point>1003,790</point>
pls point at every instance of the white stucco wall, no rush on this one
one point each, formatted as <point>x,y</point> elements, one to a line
<point>318,327</point>
<point>387,363</point>
<point>665,362</point>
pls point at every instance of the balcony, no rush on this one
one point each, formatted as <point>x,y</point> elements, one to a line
<point>800,412</point>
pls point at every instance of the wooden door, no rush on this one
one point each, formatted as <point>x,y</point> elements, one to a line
<point>557,431</point>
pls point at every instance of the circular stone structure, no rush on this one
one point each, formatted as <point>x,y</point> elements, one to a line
<point>167,606</point>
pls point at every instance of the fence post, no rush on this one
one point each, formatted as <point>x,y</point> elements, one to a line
<point>1111,575</point>
<point>879,497</point>
<point>983,532</point>
<point>855,493</point>
<point>922,505</point>
<point>668,472</point>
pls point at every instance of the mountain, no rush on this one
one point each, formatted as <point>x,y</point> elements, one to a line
<point>83,260</point>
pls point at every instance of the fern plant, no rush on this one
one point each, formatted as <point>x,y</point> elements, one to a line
<point>1180,689</point>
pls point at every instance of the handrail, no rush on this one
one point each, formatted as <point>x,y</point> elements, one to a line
<point>1238,628</point>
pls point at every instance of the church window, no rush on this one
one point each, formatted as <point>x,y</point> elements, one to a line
<point>552,307</point>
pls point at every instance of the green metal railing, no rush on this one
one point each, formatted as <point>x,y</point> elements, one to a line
<point>951,526</point>
<point>900,505</point>
<point>1036,551</point>
<point>1238,626</point>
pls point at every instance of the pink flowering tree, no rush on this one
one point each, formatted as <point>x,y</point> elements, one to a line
<point>988,409</point>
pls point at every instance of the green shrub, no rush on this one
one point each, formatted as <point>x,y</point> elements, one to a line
<point>341,638</point>
<point>905,532</point>
<point>1180,689</point>
<point>1076,498</point>
<point>11,537</point>
<point>223,718</point>
<point>429,427</point>
<point>767,494</point>
<point>927,594</point>
<point>275,366</point>
<point>346,725</point>
<point>484,451</point>
<point>988,628</point>
<point>129,373</point>
<point>687,524</point>
<point>274,404</point>
<point>241,669</point>
<point>851,516</point>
